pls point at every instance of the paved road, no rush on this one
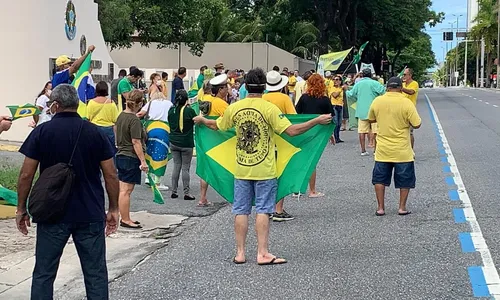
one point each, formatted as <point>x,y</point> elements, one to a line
<point>337,248</point>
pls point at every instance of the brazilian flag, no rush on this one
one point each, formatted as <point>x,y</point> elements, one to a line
<point>27,110</point>
<point>81,84</point>
<point>296,160</point>
<point>157,146</point>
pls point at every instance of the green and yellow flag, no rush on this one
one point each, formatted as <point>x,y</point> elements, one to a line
<point>400,75</point>
<point>332,61</point>
<point>157,196</point>
<point>296,157</point>
<point>357,57</point>
<point>27,110</point>
<point>81,85</point>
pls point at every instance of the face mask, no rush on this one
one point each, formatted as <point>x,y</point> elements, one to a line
<point>49,92</point>
<point>49,111</point>
<point>158,82</point>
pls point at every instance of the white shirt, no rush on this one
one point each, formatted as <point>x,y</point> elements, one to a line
<point>42,102</point>
<point>159,109</point>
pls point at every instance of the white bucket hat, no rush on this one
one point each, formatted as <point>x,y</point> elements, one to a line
<point>275,81</point>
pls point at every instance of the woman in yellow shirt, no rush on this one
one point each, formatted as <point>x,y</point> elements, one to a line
<point>103,112</point>
<point>337,98</point>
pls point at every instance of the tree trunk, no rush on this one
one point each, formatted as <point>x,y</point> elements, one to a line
<point>394,60</point>
<point>488,69</point>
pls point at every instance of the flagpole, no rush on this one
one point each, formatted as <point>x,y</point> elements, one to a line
<point>347,69</point>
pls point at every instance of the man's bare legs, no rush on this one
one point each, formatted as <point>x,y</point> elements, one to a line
<point>203,192</point>
<point>380,193</point>
<point>403,197</point>
<point>312,187</point>
<point>362,142</point>
<point>371,140</point>
<point>279,206</point>
<point>262,229</point>
<point>240,231</point>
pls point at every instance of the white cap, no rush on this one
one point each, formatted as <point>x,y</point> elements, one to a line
<point>328,74</point>
<point>219,80</point>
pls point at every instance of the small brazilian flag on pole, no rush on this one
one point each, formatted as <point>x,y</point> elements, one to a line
<point>27,110</point>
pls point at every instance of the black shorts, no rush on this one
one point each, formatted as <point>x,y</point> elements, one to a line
<point>404,174</point>
<point>128,169</point>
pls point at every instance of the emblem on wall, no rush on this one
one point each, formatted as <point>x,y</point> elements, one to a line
<point>70,25</point>
<point>83,45</point>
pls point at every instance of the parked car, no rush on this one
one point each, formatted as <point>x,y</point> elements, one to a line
<point>429,84</point>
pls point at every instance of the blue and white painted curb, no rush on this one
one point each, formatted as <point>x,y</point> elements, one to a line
<point>484,279</point>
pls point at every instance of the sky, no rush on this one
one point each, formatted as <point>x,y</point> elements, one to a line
<point>450,8</point>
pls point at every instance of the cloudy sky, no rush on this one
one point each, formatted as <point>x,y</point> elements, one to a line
<point>451,8</point>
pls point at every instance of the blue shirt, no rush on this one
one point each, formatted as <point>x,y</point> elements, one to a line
<point>365,91</point>
<point>60,78</point>
<point>177,84</point>
<point>52,143</point>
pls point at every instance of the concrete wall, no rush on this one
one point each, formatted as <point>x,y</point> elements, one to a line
<point>234,56</point>
<point>34,33</point>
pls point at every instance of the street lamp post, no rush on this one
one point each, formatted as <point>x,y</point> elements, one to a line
<point>456,51</point>
<point>451,47</point>
<point>498,43</point>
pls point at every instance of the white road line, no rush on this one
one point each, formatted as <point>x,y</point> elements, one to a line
<point>475,98</point>
<point>489,269</point>
<point>480,100</point>
<point>494,105</point>
<point>487,102</point>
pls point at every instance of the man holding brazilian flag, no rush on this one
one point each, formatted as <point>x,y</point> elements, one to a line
<point>255,154</point>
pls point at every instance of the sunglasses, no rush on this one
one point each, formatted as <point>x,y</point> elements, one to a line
<point>337,79</point>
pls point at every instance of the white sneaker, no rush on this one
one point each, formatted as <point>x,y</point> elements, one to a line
<point>365,154</point>
<point>146,181</point>
<point>162,187</point>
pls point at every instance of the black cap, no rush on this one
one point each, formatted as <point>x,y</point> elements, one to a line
<point>394,82</point>
<point>367,73</point>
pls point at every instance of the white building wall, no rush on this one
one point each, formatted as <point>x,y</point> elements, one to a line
<point>33,32</point>
<point>472,10</point>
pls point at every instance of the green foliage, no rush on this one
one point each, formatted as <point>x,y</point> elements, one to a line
<point>418,55</point>
<point>8,176</point>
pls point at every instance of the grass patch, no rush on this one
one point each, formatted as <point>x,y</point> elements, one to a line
<point>9,176</point>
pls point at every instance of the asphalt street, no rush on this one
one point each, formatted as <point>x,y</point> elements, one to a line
<point>337,248</point>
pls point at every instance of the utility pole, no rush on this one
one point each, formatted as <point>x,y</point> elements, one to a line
<point>465,62</point>
<point>456,52</point>
<point>482,62</point>
<point>498,43</point>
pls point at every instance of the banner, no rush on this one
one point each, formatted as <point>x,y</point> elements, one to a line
<point>368,66</point>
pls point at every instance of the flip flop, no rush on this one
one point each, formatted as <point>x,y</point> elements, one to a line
<point>404,213</point>
<point>130,226</point>
<point>379,214</point>
<point>317,195</point>
<point>273,262</point>
<point>239,262</point>
<point>208,204</point>
<point>137,223</point>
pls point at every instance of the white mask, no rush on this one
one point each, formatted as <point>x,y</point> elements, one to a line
<point>49,92</point>
<point>158,82</point>
<point>49,111</point>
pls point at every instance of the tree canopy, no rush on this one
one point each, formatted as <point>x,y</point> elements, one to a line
<point>306,28</point>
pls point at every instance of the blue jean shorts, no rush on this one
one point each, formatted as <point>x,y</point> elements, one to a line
<point>128,169</point>
<point>263,191</point>
<point>404,174</point>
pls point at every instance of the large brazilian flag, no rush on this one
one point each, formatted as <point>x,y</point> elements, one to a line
<point>81,83</point>
<point>296,159</point>
<point>157,149</point>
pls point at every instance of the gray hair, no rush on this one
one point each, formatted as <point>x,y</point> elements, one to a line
<point>66,96</point>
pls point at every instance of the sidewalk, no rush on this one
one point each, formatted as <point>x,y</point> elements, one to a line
<point>125,250</point>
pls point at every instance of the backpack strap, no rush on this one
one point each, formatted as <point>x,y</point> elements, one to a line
<point>76,143</point>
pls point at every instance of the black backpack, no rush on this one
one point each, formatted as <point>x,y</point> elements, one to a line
<point>47,201</point>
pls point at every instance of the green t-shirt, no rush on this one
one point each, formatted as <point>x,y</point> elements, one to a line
<point>184,138</point>
<point>128,127</point>
<point>124,86</point>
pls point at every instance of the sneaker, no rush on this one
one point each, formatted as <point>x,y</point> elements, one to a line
<point>295,194</point>
<point>365,154</point>
<point>162,187</point>
<point>146,182</point>
<point>282,217</point>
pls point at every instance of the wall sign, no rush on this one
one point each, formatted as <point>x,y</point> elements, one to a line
<point>70,19</point>
<point>83,45</point>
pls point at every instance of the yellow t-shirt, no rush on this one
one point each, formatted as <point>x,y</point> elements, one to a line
<point>394,114</point>
<point>292,81</point>
<point>282,101</point>
<point>339,100</point>
<point>412,86</point>
<point>300,88</point>
<point>219,106</point>
<point>102,114</point>
<point>328,83</point>
<point>255,121</point>
<point>201,94</point>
